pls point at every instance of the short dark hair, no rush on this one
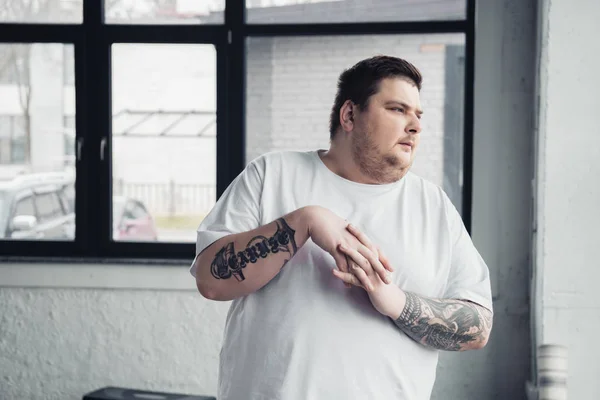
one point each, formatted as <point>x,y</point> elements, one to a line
<point>361,81</point>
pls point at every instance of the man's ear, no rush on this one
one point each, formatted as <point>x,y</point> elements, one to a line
<point>347,115</point>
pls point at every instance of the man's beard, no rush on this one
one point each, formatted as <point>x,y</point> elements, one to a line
<point>382,168</point>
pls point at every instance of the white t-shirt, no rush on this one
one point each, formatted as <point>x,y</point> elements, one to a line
<point>304,336</point>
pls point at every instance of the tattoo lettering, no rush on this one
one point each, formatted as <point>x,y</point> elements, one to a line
<point>444,324</point>
<point>228,263</point>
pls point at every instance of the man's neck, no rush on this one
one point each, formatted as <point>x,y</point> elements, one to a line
<point>340,161</point>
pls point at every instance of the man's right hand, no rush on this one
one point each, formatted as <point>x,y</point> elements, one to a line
<point>328,231</point>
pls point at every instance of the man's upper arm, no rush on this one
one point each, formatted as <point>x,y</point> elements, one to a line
<point>469,277</point>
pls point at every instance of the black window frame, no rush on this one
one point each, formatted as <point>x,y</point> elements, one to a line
<point>92,40</point>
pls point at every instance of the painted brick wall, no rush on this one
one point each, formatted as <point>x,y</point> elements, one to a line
<point>568,189</point>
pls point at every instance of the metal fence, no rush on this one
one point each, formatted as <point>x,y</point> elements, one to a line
<point>170,198</point>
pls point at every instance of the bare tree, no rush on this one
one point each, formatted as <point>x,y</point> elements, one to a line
<point>15,67</point>
<point>15,59</point>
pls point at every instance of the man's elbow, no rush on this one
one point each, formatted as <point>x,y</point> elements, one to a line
<point>206,289</point>
<point>485,329</point>
<point>211,291</point>
<point>208,292</point>
<point>481,341</point>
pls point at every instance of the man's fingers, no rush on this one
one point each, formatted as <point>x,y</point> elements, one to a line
<point>385,261</point>
<point>342,262</point>
<point>348,278</point>
<point>362,276</point>
<point>368,244</point>
<point>375,264</point>
<point>357,258</point>
<point>362,237</point>
<point>348,263</point>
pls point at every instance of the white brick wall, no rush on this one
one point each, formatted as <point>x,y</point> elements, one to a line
<point>568,189</point>
<point>302,74</point>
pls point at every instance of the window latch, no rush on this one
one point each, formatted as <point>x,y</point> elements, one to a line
<point>79,148</point>
<point>102,148</point>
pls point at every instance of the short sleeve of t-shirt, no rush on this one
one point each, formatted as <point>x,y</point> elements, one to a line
<point>237,210</point>
<point>469,277</point>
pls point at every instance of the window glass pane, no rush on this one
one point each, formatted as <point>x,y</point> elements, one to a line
<point>164,11</point>
<point>164,139</point>
<point>68,198</point>
<point>42,11</point>
<point>327,11</point>
<point>25,207</point>
<point>48,206</point>
<point>12,137</point>
<point>35,100</point>
<point>290,93</point>
<point>138,212</point>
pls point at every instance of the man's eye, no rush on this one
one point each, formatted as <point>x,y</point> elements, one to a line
<point>398,109</point>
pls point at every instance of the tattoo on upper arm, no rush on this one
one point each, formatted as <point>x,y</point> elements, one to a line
<point>444,324</point>
<point>228,263</point>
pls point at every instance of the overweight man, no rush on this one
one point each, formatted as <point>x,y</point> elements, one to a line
<point>347,272</point>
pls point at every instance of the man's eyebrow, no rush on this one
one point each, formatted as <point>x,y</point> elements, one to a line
<point>403,104</point>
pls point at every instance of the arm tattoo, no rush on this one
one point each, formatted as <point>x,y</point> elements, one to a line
<point>445,324</point>
<point>228,263</point>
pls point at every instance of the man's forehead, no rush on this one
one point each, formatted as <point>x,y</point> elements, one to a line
<point>399,90</point>
<point>398,85</point>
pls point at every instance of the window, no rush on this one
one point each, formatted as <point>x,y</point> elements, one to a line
<point>25,207</point>
<point>155,106</point>
<point>319,11</point>
<point>12,139</point>
<point>41,11</point>
<point>35,98</point>
<point>68,198</point>
<point>165,11</point>
<point>48,206</point>
<point>14,64</point>
<point>138,211</point>
<point>164,133</point>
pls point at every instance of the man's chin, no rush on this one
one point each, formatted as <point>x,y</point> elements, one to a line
<point>399,161</point>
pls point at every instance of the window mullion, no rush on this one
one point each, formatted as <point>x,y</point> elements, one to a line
<point>93,171</point>
<point>231,141</point>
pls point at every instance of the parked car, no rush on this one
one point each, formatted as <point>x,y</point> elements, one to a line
<point>132,221</point>
<point>36,207</point>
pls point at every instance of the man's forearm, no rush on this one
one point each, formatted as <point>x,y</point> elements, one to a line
<point>239,264</point>
<point>445,324</point>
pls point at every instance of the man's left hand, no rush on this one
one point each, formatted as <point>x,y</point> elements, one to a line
<point>364,264</point>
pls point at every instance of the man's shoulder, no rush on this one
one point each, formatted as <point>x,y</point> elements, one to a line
<point>279,158</point>
<point>423,183</point>
<point>426,188</point>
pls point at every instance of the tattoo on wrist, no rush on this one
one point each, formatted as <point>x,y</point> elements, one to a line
<point>228,263</point>
<point>444,324</point>
<point>411,311</point>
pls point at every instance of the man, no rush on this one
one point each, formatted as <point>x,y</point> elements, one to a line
<point>347,272</point>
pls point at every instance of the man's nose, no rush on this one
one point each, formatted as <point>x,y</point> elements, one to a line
<point>414,126</point>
